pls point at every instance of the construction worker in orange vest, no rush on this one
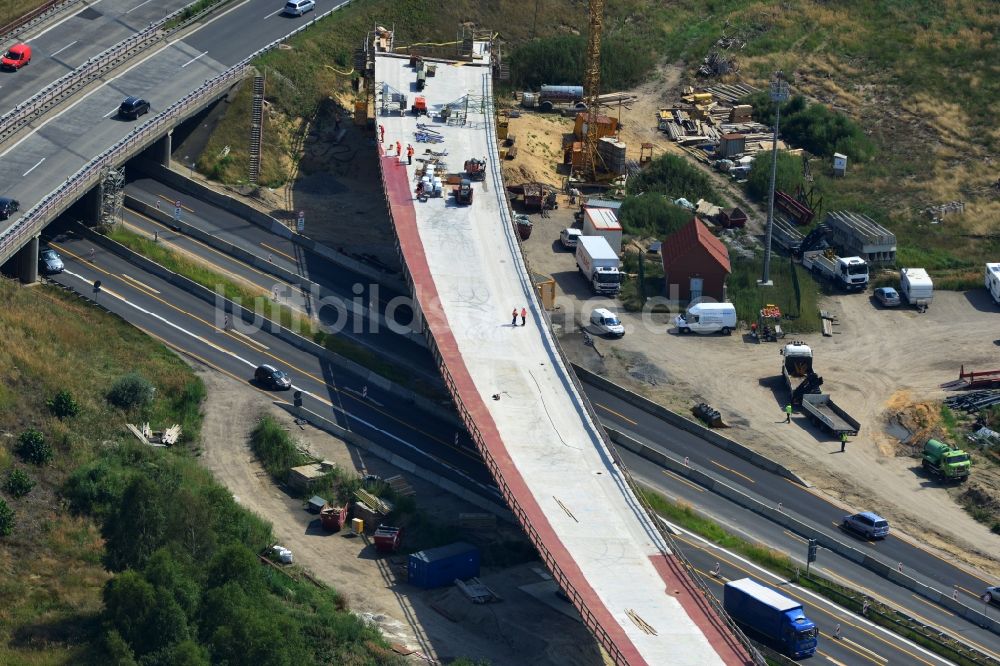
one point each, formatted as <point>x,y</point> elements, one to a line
<point>409,154</point>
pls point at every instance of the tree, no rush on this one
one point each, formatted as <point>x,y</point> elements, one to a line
<point>18,483</point>
<point>652,214</point>
<point>184,653</point>
<point>788,178</point>
<point>235,563</point>
<point>33,448</point>
<point>129,600</point>
<point>6,519</point>
<point>165,572</point>
<point>136,528</point>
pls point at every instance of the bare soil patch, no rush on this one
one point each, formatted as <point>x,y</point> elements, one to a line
<point>441,624</point>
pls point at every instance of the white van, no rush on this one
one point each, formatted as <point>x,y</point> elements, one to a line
<point>569,236</point>
<point>606,323</point>
<point>707,318</point>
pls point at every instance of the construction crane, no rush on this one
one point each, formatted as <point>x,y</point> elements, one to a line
<point>592,91</point>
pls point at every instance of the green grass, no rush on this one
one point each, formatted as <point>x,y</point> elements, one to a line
<point>254,299</point>
<point>794,291</point>
<point>13,9</point>
<point>779,563</point>
<point>275,448</point>
<point>54,341</point>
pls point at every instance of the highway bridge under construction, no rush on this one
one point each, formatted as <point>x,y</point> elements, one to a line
<point>513,388</point>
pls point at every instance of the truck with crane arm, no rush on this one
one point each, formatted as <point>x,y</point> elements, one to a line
<point>804,390</point>
<point>848,273</point>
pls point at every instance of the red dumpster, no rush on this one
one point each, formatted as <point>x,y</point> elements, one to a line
<point>387,539</point>
<point>333,517</point>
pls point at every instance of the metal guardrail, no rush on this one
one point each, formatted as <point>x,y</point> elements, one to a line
<point>525,274</point>
<point>96,66</point>
<point>35,219</point>
<point>13,30</point>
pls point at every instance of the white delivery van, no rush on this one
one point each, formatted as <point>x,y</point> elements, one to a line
<point>606,323</point>
<point>707,318</point>
<point>916,286</point>
<point>992,281</point>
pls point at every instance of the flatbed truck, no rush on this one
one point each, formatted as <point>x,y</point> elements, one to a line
<point>824,412</point>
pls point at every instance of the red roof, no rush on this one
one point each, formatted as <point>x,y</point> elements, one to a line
<point>690,236</point>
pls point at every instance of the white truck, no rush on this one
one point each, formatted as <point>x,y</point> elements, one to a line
<point>992,281</point>
<point>916,286</point>
<point>599,264</point>
<point>848,273</point>
<point>603,222</point>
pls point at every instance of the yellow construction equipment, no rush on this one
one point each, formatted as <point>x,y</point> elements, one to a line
<point>592,90</point>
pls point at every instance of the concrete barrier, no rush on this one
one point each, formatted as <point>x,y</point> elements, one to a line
<point>265,266</point>
<point>249,316</point>
<point>402,463</point>
<point>802,529</point>
<point>688,425</point>
<point>245,211</point>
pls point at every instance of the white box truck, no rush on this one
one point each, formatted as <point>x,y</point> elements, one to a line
<point>599,264</point>
<point>916,286</point>
<point>992,281</point>
<point>707,318</point>
<point>603,222</point>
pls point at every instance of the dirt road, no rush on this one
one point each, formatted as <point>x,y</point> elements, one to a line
<point>530,626</point>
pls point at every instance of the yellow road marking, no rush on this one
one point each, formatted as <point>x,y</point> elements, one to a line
<point>931,604</point>
<point>276,250</point>
<point>618,414</point>
<point>170,202</point>
<point>247,338</point>
<point>729,469</point>
<point>682,480</point>
<point>141,284</point>
<point>794,536</point>
<point>474,455</point>
<point>842,643</point>
<point>792,593</point>
<point>829,658</point>
<point>862,647</point>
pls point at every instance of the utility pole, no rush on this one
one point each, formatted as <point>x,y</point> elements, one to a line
<point>779,93</point>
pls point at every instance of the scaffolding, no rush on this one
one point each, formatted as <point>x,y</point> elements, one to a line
<point>112,195</point>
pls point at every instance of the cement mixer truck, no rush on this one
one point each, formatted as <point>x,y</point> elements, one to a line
<point>945,463</point>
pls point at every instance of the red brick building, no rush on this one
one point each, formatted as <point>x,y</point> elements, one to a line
<point>696,262</point>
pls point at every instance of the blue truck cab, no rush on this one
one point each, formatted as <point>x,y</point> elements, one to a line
<point>771,616</point>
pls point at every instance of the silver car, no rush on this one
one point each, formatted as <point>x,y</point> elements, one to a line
<point>49,262</point>
<point>887,297</point>
<point>299,7</point>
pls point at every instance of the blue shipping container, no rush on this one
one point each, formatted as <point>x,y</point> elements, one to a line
<point>438,567</point>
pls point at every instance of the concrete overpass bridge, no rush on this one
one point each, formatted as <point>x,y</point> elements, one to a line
<point>536,430</point>
<point>59,143</point>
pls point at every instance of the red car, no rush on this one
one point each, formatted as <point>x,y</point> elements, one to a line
<point>16,57</point>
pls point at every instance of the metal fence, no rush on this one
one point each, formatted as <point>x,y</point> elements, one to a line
<point>35,219</point>
<point>18,26</point>
<point>96,66</point>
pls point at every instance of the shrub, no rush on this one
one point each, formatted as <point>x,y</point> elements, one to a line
<point>787,179</point>
<point>674,177</point>
<point>18,483</point>
<point>63,405</point>
<point>6,519</point>
<point>33,448</point>
<point>132,390</point>
<point>814,127</point>
<point>275,448</point>
<point>653,215</point>
<point>560,59</point>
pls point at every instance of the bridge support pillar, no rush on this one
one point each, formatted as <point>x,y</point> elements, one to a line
<point>90,206</point>
<point>163,148</point>
<point>27,262</point>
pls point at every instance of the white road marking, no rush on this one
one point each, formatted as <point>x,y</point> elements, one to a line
<point>55,53</point>
<point>274,13</point>
<point>112,112</point>
<point>192,60</point>
<point>138,5</point>
<point>83,97</point>
<point>59,23</point>
<point>32,168</point>
<point>491,491</point>
<point>775,579</point>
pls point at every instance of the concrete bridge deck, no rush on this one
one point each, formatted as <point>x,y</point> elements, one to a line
<point>533,426</point>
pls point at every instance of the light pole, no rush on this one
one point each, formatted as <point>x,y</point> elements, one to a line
<point>779,93</point>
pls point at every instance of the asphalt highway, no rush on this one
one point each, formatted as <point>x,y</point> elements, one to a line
<point>332,309</point>
<point>62,46</point>
<point>796,500</point>
<point>195,328</point>
<point>757,529</point>
<point>859,642</point>
<point>58,146</point>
